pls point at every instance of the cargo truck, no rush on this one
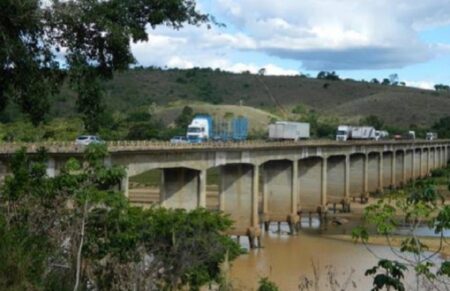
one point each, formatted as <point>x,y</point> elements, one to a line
<point>285,130</point>
<point>431,136</point>
<point>204,128</point>
<point>345,132</point>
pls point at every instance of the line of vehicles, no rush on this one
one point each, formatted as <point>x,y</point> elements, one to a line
<point>205,128</point>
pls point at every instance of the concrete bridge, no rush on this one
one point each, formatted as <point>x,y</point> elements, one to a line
<point>289,177</point>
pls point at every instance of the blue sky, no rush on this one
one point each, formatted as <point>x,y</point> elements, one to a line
<point>359,39</point>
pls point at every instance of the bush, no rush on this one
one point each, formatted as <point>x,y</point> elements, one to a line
<point>266,285</point>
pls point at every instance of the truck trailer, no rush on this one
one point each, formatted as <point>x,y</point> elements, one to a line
<point>204,128</point>
<point>285,130</point>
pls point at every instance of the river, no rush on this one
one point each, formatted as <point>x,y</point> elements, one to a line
<point>285,259</point>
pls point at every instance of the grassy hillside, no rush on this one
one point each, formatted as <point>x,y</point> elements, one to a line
<point>258,119</point>
<point>144,104</point>
<point>348,100</point>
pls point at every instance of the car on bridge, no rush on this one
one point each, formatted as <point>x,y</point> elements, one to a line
<point>178,139</point>
<point>88,139</point>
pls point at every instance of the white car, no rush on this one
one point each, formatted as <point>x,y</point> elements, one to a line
<point>88,139</point>
<point>178,139</point>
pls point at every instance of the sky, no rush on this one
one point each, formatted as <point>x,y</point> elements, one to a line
<point>359,39</point>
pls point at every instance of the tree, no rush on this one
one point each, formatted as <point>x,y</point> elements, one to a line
<point>29,72</point>
<point>419,204</point>
<point>95,37</point>
<point>76,230</point>
<point>386,82</point>
<point>185,118</point>
<point>442,127</point>
<point>372,120</point>
<point>393,79</point>
<point>374,81</point>
<point>441,87</point>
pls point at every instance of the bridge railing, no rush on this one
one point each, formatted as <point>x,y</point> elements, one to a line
<point>136,145</point>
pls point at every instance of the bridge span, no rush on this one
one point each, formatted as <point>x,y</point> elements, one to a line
<point>288,177</point>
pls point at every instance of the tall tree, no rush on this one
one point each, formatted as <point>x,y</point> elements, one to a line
<point>94,36</point>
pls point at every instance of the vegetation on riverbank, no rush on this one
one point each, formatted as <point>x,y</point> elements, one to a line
<point>76,231</point>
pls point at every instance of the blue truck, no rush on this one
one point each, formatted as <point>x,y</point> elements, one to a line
<point>204,128</point>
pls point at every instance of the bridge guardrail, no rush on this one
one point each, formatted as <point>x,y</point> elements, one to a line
<point>148,145</point>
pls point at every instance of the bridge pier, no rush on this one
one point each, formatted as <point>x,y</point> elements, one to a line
<point>179,188</point>
<point>399,168</point>
<point>238,197</point>
<point>375,172</point>
<point>423,162</point>
<point>124,186</point>
<point>280,192</point>
<point>408,166</point>
<point>387,169</point>
<point>357,177</point>
<point>312,184</point>
<point>337,180</point>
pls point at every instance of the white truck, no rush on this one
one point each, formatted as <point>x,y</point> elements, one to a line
<point>431,136</point>
<point>286,130</point>
<point>346,132</point>
<point>200,129</point>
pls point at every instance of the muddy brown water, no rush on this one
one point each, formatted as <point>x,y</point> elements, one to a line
<point>286,260</point>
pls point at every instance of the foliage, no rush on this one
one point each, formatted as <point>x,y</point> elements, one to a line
<point>420,204</point>
<point>76,229</point>
<point>390,276</point>
<point>29,72</point>
<point>266,285</point>
<point>185,118</point>
<point>328,76</point>
<point>442,127</point>
<point>372,120</point>
<point>95,37</point>
<point>441,87</point>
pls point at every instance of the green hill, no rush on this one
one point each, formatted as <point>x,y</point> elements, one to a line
<point>144,104</point>
<point>347,100</point>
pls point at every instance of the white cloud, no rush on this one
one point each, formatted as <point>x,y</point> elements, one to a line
<point>328,34</point>
<point>321,35</point>
<point>421,84</point>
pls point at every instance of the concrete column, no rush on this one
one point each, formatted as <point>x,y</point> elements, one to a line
<point>202,189</point>
<point>323,196</point>
<point>238,195</point>
<point>428,162</point>
<point>394,160</point>
<point>310,183</point>
<point>356,179</point>
<point>413,165</point>
<point>387,169</point>
<point>347,178</point>
<point>124,184</point>
<point>399,167</point>
<point>222,189</point>
<point>424,162</point>
<point>366,174</point>
<point>380,172</point>
<point>336,179</point>
<point>180,188</point>
<point>294,196</point>
<point>255,194</point>
<point>405,156</point>
<point>373,172</point>
<point>280,180</point>
<point>420,164</point>
<point>435,160</point>
<point>265,192</point>
<point>51,168</point>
